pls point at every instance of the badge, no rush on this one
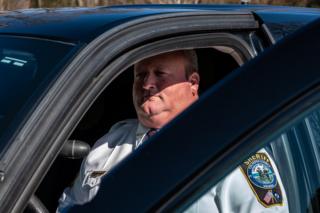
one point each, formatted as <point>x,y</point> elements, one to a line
<point>92,178</point>
<point>96,174</point>
<point>262,179</point>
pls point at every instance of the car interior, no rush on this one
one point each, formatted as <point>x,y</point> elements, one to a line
<point>114,104</point>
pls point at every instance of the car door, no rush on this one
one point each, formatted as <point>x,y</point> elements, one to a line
<point>270,102</point>
<point>36,143</point>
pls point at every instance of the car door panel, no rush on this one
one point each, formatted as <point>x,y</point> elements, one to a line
<point>230,112</point>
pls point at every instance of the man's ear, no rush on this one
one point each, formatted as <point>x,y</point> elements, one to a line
<point>194,79</point>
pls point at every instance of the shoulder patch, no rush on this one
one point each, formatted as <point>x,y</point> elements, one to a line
<point>262,179</point>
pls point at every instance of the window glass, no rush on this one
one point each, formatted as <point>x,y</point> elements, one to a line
<point>313,124</point>
<point>277,178</point>
<point>25,64</point>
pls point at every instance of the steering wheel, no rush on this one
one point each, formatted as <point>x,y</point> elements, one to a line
<point>73,149</point>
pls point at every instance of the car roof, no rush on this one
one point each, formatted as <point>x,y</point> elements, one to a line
<point>85,24</point>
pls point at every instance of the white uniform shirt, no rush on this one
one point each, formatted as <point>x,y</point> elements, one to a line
<point>123,137</point>
<point>232,194</point>
<point>235,193</point>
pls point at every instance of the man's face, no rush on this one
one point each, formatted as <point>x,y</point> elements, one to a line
<point>161,89</point>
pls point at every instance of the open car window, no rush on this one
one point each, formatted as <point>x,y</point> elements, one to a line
<point>110,90</point>
<point>277,122</point>
<point>214,64</point>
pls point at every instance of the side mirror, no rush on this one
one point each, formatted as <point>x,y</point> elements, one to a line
<point>75,149</point>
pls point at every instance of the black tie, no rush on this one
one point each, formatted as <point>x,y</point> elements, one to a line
<point>148,135</point>
<point>151,132</point>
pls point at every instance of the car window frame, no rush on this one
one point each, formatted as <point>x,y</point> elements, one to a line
<point>203,40</point>
<point>86,91</point>
<point>259,121</point>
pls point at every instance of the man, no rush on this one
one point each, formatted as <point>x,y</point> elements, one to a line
<point>165,85</point>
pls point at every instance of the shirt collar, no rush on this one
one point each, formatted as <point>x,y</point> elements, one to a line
<point>141,130</point>
<point>140,134</point>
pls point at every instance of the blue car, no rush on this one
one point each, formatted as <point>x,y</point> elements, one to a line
<point>66,77</point>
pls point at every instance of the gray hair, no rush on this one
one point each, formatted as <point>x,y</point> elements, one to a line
<point>192,61</point>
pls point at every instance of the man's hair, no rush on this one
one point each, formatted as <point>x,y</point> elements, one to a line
<point>192,61</point>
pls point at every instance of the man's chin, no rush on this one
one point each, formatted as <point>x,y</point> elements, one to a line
<point>153,121</point>
<point>154,118</point>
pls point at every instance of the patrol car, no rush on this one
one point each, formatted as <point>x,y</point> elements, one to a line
<point>66,77</point>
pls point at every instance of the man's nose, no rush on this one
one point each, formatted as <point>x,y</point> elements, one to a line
<point>149,82</point>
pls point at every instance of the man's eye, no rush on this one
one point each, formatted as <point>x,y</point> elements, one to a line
<point>160,73</point>
<point>140,75</point>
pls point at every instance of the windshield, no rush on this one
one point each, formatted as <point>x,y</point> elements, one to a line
<point>27,65</point>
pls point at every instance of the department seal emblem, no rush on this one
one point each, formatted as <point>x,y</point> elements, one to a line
<point>262,179</point>
<point>262,175</point>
